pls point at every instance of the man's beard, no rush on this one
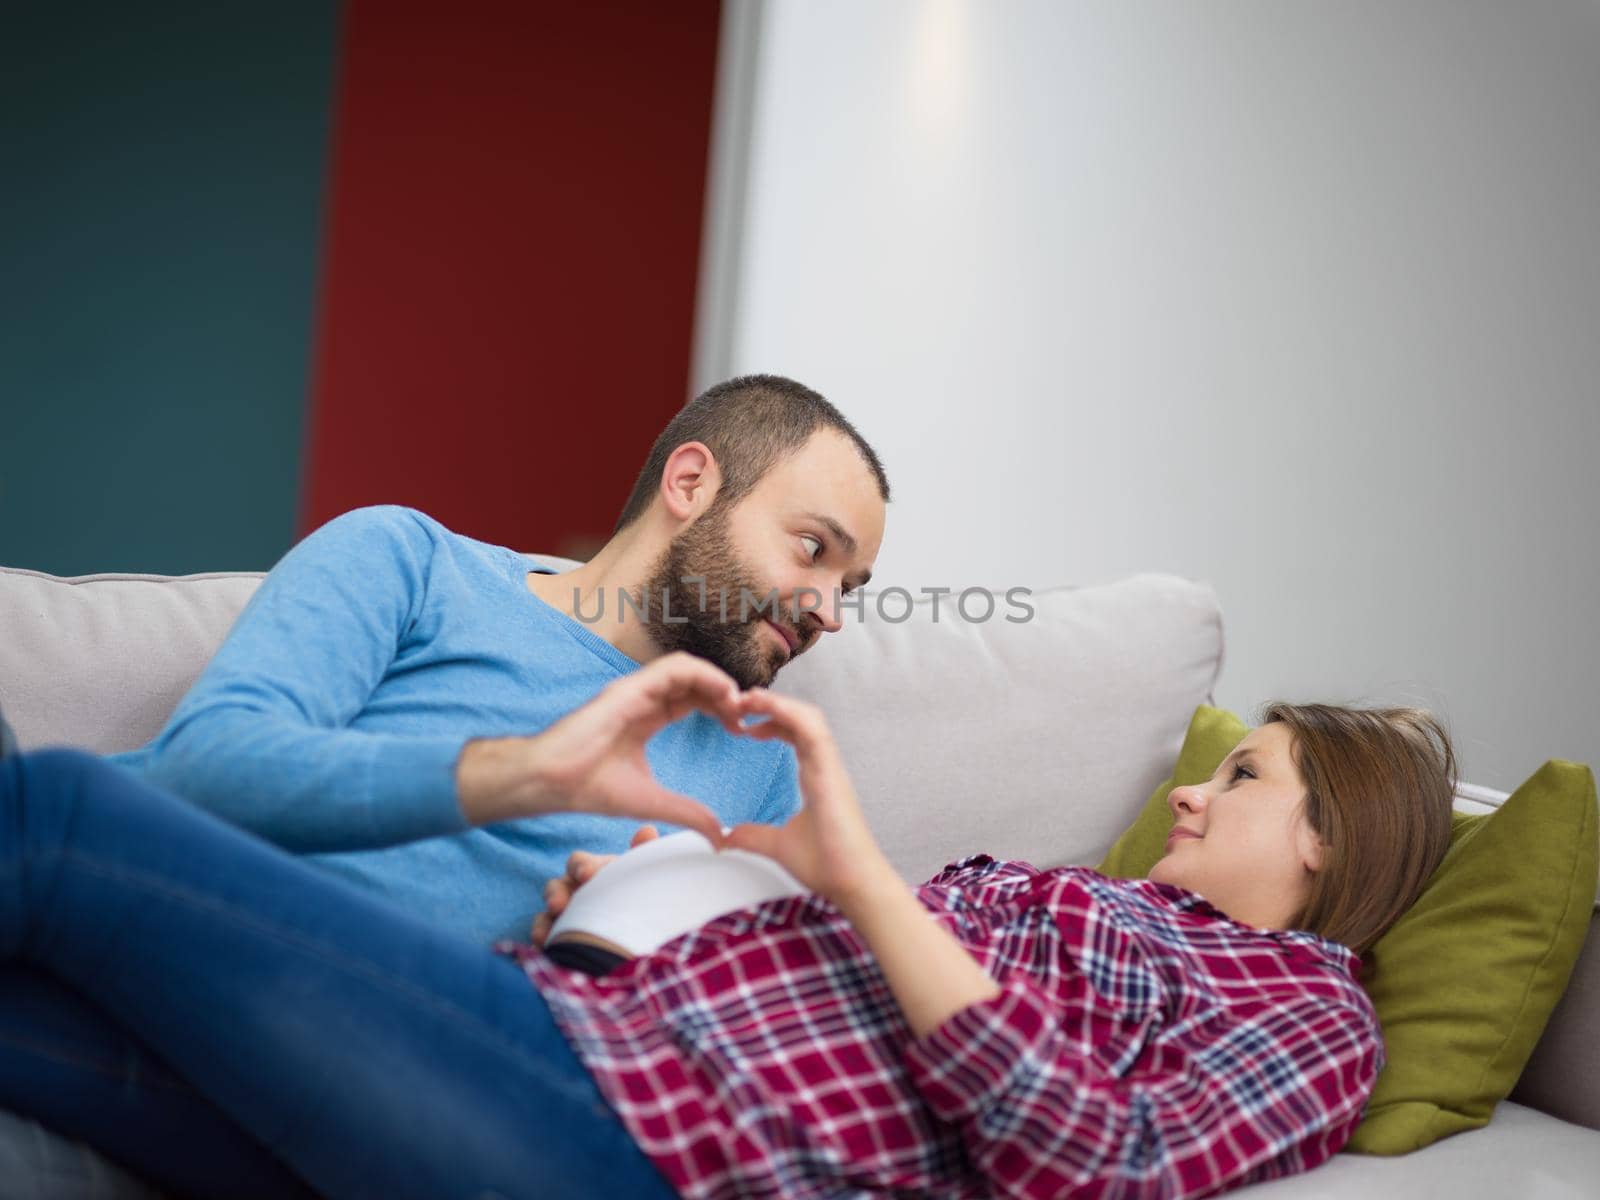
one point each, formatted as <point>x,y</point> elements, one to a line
<point>735,643</point>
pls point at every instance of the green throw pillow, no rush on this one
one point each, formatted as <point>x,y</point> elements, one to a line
<point>1465,981</point>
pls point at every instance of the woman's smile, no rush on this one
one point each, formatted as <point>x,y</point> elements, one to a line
<point>1181,834</point>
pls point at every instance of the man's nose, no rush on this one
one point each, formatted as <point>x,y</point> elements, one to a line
<point>816,612</point>
<point>827,617</point>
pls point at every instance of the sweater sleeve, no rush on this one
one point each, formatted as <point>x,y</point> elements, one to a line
<point>262,738</point>
<point>1247,1099</point>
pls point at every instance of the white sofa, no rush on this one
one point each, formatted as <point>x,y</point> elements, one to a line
<point>1036,739</point>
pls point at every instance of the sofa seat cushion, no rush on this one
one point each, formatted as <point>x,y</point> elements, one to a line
<point>1521,1152</point>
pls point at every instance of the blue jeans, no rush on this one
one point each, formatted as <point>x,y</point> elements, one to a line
<point>265,1023</point>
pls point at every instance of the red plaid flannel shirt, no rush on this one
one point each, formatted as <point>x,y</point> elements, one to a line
<point>1142,1044</point>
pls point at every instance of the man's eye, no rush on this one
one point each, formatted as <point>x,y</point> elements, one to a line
<point>813,545</point>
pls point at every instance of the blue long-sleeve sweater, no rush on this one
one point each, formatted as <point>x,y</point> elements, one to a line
<point>331,718</point>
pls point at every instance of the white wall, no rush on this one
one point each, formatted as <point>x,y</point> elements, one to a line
<point>1299,299</point>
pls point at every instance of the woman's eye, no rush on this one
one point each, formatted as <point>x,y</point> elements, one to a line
<point>813,546</point>
<point>1242,773</point>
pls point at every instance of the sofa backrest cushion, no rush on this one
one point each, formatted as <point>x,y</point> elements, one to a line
<point>1036,740</point>
<point>100,661</point>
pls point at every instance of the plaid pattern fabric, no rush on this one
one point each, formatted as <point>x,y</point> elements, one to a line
<point>1142,1045</point>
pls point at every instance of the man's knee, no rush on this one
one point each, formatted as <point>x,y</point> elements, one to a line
<point>66,763</point>
<point>60,772</point>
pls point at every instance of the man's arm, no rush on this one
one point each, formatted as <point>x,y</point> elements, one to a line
<point>262,738</point>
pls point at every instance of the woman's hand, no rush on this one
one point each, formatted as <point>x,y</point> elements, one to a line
<point>581,868</point>
<point>827,846</point>
<point>592,760</point>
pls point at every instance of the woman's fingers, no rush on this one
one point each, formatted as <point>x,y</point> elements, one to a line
<point>780,715</point>
<point>643,834</point>
<point>800,724</point>
<point>758,839</point>
<point>582,866</point>
<point>556,894</point>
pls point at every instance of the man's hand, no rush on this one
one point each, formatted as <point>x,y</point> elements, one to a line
<point>827,846</point>
<point>581,868</point>
<point>592,760</point>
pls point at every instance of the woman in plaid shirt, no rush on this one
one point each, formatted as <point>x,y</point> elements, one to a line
<point>999,1031</point>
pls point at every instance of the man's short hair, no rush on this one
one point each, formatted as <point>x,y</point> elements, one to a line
<point>749,424</point>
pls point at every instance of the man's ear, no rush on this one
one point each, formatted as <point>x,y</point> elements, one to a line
<point>689,481</point>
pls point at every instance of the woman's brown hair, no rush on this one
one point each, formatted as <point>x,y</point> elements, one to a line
<point>1379,786</point>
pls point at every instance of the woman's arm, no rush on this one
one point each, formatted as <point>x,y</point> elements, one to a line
<point>829,848</point>
<point>931,974</point>
<point>1244,1096</point>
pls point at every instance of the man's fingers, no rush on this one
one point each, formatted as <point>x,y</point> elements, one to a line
<point>540,931</point>
<point>670,688</point>
<point>687,683</point>
<point>659,804</point>
<point>683,676</point>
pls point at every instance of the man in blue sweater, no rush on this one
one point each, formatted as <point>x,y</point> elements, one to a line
<point>395,698</point>
<point>377,704</point>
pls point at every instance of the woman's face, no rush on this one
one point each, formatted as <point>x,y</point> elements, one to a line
<point>1252,854</point>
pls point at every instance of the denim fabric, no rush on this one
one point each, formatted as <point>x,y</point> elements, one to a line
<point>71,1068</point>
<point>248,1000</point>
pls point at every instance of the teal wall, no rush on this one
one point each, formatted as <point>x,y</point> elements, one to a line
<point>161,190</point>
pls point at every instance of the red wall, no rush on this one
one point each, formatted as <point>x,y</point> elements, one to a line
<point>510,263</point>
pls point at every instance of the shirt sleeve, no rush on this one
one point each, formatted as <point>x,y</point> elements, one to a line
<point>262,738</point>
<point>1257,1098</point>
<point>980,881</point>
